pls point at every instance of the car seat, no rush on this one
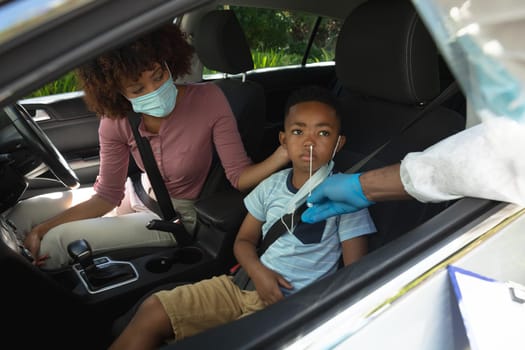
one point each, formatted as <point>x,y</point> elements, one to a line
<point>388,70</point>
<point>221,45</point>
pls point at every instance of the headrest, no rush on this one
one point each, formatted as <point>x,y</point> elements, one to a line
<point>220,43</point>
<point>385,51</point>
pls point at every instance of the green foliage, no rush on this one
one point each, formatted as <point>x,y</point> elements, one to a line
<point>320,55</point>
<point>263,28</point>
<point>286,33</point>
<point>274,58</point>
<point>275,31</point>
<point>66,83</point>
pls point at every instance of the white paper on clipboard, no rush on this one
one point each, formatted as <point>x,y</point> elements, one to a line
<point>493,311</point>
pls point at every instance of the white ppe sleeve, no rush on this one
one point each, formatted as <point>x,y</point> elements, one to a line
<point>484,161</point>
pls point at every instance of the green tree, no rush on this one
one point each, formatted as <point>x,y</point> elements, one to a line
<point>287,34</point>
<point>264,28</point>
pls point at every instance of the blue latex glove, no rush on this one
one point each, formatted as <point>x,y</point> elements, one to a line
<point>338,194</point>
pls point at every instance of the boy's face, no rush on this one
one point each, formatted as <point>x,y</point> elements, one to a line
<point>311,125</point>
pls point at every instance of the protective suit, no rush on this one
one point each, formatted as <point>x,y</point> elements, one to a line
<point>480,40</point>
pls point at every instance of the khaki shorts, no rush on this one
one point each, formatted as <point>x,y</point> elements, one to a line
<point>194,308</point>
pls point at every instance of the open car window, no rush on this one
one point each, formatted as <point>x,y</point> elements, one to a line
<point>279,38</point>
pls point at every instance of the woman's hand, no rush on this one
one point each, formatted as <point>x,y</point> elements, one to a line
<point>255,173</point>
<point>281,156</point>
<point>32,243</point>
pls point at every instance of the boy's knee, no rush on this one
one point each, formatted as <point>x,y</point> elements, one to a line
<point>152,315</point>
<point>150,305</point>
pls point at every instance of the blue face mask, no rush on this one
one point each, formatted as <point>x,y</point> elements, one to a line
<point>158,103</point>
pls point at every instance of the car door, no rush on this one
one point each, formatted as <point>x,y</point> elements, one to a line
<point>33,54</point>
<point>73,129</point>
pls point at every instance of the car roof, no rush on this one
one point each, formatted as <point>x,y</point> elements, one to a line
<point>44,52</point>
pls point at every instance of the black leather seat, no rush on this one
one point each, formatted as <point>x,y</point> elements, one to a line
<point>388,69</point>
<point>221,45</point>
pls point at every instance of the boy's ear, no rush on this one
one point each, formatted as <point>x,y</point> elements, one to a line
<point>342,141</point>
<point>282,138</point>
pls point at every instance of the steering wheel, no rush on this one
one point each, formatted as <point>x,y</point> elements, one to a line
<point>38,141</point>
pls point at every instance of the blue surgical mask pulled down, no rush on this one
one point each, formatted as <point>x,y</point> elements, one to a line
<point>158,103</point>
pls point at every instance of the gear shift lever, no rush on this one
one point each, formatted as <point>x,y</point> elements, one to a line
<point>80,251</point>
<point>102,275</point>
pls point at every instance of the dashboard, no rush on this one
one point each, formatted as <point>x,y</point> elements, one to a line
<point>10,238</point>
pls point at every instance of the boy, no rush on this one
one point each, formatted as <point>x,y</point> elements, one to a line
<point>296,259</point>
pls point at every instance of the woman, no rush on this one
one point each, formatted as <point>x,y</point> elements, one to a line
<point>183,124</point>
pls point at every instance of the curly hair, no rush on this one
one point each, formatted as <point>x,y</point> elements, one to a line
<point>101,78</point>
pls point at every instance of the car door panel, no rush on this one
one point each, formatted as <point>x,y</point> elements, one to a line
<point>73,130</point>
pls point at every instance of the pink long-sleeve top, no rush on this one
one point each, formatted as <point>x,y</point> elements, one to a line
<point>183,147</point>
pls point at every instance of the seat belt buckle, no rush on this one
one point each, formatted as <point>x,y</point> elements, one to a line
<point>176,227</point>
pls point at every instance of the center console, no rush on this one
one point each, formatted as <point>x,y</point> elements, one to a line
<point>134,272</point>
<point>111,282</point>
<point>106,278</point>
<point>99,274</point>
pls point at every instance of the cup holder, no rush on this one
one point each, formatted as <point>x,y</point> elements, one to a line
<point>186,255</point>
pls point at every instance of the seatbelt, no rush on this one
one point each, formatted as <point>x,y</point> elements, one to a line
<point>150,203</point>
<point>161,193</point>
<point>294,209</point>
<point>171,219</point>
<point>240,276</point>
<point>442,97</point>
<point>276,230</point>
<point>279,227</point>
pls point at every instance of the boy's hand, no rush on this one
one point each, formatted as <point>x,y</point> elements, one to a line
<point>267,283</point>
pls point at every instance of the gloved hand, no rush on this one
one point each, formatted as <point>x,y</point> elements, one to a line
<point>338,194</point>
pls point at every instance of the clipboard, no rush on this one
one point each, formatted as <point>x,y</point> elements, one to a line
<point>493,311</point>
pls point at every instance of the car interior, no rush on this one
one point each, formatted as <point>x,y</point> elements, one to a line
<point>387,71</point>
